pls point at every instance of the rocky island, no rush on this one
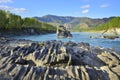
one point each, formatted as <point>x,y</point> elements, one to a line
<point>56,60</point>
<point>62,32</point>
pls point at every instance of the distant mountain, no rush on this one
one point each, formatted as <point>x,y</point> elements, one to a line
<point>73,22</point>
<point>56,19</point>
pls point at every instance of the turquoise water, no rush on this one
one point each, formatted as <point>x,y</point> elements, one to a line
<point>78,37</point>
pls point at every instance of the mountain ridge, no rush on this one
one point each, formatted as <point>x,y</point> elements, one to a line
<point>73,22</point>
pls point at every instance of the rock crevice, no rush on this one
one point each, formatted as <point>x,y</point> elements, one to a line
<point>57,60</point>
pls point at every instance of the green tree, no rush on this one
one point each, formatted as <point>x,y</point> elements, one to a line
<point>2,19</point>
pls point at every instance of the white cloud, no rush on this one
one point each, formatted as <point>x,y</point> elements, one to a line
<point>104,5</point>
<point>11,9</point>
<point>20,10</point>
<point>85,11</point>
<point>6,1</point>
<point>6,8</point>
<point>85,6</point>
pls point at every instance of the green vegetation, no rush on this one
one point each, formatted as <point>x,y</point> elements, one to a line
<point>79,27</point>
<point>12,22</point>
<point>111,24</point>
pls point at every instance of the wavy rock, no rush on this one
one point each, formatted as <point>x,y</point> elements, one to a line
<point>56,60</point>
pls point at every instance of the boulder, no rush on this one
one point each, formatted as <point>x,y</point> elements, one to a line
<point>110,37</point>
<point>105,36</point>
<point>62,32</point>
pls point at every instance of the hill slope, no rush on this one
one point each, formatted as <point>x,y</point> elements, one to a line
<point>73,22</point>
<point>14,24</point>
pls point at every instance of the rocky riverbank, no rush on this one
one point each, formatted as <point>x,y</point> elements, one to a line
<point>24,31</point>
<point>113,31</point>
<point>56,60</point>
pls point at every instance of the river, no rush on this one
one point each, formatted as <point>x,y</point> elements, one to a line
<point>77,37</point>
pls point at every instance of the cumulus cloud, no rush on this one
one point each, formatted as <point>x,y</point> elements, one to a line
<point>104,5</point>
<point>85,6</point>
<point>85,11</point>
<point>4,7</point>
<point>6,1</point>
<point>11,9</point>
<point>20,10</point>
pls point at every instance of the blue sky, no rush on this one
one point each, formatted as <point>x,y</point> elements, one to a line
<point>77,8</point>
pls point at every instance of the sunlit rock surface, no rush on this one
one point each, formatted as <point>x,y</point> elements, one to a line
<point>62,32</point>
<point>56,60</point>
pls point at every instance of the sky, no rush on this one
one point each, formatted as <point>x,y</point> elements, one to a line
<point>76,8</point>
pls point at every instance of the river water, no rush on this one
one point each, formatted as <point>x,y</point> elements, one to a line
<point>78,37</point>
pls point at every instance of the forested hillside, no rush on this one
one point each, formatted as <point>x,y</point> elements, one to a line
<point>113,23</point>
<point>14,23</point>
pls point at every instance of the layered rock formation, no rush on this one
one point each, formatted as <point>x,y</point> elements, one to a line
<point>62,32</point>
<point>56,60</point>
<point>114,31</point>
